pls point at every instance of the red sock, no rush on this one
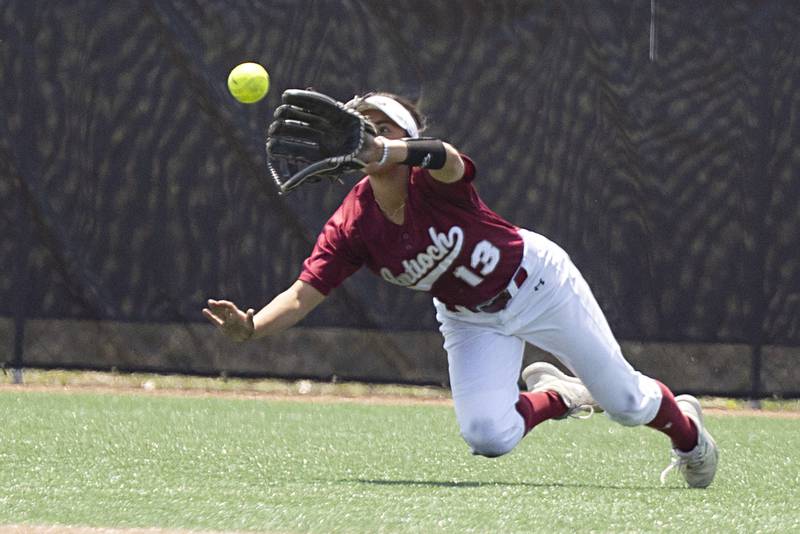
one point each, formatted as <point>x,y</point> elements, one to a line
<point>671,421</point>
<point>540,406</point>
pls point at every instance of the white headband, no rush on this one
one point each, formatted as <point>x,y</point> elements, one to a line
<point>395,111</point>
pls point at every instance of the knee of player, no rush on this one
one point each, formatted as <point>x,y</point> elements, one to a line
<point>630,409</point>
<point>488,438</point>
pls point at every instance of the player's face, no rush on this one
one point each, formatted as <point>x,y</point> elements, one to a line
<point>385,126</point>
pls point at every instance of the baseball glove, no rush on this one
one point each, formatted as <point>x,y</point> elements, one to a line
<point>312,137</point>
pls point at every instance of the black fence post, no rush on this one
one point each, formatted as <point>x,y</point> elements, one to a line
<point>21,280</point>
<point>755,376</point>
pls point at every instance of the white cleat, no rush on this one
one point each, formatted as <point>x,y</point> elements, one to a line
<point>542,376</point>
<point>699,465</point>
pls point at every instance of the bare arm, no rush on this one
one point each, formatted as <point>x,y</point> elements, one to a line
<point>283,312</point>
<point>452,171</point>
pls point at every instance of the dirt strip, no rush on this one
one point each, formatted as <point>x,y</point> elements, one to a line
<point>229,394</point>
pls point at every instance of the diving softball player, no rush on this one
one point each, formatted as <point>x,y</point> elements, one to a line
<point>417,221</point>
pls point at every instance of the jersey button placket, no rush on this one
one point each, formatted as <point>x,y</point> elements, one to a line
<point>405,238</point>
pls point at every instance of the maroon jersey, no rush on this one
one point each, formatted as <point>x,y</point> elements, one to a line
<point>450,244</point>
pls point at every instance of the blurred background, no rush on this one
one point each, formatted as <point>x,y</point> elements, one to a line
<point>655,140</point>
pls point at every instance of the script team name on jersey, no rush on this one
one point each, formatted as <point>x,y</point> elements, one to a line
<point>422,271</point>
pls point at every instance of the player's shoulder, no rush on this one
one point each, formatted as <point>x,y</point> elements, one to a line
<point>361,189</point>
<point>355,204</point>
<point>459,192</point>
<point>359,196</point>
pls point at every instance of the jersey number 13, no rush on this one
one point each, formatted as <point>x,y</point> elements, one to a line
<point>483,261</point>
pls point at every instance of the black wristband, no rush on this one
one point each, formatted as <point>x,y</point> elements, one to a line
<point>425,152</point>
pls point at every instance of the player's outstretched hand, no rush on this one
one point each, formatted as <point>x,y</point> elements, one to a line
<point>233,322</point>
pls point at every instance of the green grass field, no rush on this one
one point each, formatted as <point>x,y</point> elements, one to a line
<point>224,464</point>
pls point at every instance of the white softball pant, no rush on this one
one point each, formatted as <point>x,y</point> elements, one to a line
<point>555,310</point>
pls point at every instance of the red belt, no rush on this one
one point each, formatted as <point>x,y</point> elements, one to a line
<point>498,302</point>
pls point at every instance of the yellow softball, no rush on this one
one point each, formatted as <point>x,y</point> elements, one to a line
<point>248,82</point>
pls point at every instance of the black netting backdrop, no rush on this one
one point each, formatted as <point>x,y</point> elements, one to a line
<point>656,141</point>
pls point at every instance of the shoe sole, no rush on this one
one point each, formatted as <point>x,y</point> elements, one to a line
<point>539,369</point>
<point>695,404</point>
<point>536,371</point>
